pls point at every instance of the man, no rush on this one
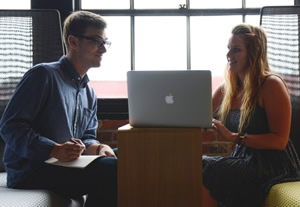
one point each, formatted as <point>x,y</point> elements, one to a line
<point>53,105</point>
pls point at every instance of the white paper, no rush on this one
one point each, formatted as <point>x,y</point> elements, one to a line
<point>80,162</point>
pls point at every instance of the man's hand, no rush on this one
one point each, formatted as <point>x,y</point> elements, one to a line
<point>68,151</point>
<point>102,150</point>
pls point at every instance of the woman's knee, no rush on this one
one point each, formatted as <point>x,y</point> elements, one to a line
<point>207,199</point>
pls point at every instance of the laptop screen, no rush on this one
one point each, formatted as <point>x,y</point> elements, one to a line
<point>170,98</point>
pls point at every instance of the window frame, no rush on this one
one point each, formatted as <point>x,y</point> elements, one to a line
<point>112,106</point>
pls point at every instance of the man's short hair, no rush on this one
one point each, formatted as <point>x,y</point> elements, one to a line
<point>77,23</point>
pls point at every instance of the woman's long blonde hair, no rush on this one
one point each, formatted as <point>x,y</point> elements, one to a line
<point>255,41</point>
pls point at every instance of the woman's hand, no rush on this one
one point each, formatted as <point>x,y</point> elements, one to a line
<point>224,132</point>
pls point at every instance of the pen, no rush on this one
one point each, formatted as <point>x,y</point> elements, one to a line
<point>75,142</point>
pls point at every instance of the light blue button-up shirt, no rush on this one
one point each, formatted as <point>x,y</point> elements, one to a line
<point>51,104</point>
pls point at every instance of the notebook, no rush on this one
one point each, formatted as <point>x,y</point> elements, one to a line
<point>80,162</point>
<point>170,98</point>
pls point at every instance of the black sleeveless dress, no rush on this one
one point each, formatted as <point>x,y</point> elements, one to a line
<point>245,178</point>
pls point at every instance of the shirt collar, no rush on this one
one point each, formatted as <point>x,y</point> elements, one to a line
<point>72,72</point>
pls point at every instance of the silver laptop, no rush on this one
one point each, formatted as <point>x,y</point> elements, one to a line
<point>170,98</point>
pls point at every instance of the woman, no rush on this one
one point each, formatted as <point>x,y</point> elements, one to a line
<point>252,109</point>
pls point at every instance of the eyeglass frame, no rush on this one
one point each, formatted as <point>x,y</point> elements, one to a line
<point>96,40</point>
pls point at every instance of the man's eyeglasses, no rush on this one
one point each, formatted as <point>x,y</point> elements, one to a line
<point>96,40</point>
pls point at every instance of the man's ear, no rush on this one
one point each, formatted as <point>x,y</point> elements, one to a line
<point>73,42</point>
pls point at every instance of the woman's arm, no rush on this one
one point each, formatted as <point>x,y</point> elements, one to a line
<point>276,102</point>
<point>217,98</point>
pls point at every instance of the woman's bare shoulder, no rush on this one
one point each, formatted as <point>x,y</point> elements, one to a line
<point>218,95</point>
<point>219,91</point>
<point>274,88</point>
<point>273,83</point>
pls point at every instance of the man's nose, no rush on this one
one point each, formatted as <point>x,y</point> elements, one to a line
<point>102,49</point>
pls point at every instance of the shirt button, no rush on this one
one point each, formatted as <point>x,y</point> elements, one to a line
<point>78,78</point>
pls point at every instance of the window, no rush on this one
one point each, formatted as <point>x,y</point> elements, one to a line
<point>16,4</point>
<point>167,35</point>
<point>209,46</point>
<point>252,19</point>
<point>221,4</point>
<point>157,4</point>
<point>160,47</point>
<point>110,79</point>
<point>105,4</point>
<point>260,3</point>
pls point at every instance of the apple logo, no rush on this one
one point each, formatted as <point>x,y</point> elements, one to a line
<point>169,99</point>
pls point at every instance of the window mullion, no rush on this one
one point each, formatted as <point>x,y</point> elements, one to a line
<point>132,19</point>
<point>132,35</point>
<point>188,39</point>
<point>188,4</point>
<point>243,7</point>
<point>131,4</point>
<point>188,36</point>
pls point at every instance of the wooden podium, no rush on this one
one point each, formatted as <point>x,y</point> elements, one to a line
<point>159,167</point>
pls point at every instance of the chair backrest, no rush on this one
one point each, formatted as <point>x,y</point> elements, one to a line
<point>27,37</point>
<point>281,24</point>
